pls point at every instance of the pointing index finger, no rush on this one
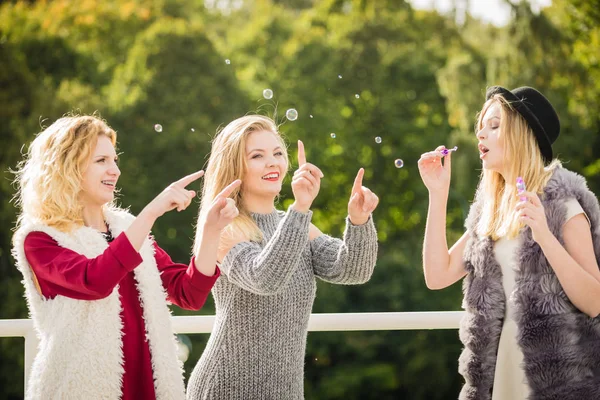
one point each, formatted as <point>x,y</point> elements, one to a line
<point>230,188</point>
<point>358,181</point>
<point>186,180</point>
<point>301,154</point>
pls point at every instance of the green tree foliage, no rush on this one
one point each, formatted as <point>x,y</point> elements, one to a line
<point>359,69</point>
<point>174,77</point>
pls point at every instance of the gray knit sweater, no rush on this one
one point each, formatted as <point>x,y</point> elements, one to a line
<point>263,303</point>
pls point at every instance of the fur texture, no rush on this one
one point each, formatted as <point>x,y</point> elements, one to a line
<point>560,344</point>
<point>80,352</point>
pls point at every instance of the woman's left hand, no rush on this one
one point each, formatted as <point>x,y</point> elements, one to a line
<point>362,201</point>
<point>532,213</point>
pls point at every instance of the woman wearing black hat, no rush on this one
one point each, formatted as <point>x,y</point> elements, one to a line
<point>529,258</point>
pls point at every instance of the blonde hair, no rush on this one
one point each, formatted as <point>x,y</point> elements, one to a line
<point>523,159</point>
<point>227,163</point>
<point>49,178</point>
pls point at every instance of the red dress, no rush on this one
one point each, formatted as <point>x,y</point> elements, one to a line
<point>61,271</point>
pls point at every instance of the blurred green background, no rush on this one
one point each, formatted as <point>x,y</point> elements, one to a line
<point>356,68</point>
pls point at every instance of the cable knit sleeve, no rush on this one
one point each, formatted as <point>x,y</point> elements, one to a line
<point>350,261</point>
<point>266,270</point>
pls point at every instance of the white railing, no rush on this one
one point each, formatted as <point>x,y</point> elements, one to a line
<point>317,323</point>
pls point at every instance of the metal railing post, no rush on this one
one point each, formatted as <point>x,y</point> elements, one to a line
<point>31,347</point>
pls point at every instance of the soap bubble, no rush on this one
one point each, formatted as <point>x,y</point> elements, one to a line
<point>268,94</point>
<point>332,135</point>
<point>378,140</point>
<point>227,61</point>
<point>399,163</point>
<point>291,114</point>
<point>158,128</point>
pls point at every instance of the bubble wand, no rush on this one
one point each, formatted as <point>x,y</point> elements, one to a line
<point>445,152</point>
<point>521,188</point>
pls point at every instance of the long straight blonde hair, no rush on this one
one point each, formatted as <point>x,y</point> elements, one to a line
<point>523,158</point>
<point>227,163</point>
<point>49,178</point>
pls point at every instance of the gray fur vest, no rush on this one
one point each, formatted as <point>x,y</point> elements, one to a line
<point>560,344</point>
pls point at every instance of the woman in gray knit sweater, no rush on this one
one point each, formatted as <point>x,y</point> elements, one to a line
<point>269,262</point>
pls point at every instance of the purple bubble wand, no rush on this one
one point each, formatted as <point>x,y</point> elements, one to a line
<point>521,188</point>
<point>445,152</point>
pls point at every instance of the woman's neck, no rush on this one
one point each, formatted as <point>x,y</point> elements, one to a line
<point>259,205</point>
<point>94,218</point>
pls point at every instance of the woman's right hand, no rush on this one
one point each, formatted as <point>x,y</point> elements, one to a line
<point>175,196</point>
<point>306,182</point>
<point>223,209</point>
<point>436,176</point>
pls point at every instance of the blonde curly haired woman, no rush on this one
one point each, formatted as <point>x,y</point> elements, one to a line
<point>96,282</point>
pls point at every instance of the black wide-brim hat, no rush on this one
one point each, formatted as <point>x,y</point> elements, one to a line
<point>537,111</point>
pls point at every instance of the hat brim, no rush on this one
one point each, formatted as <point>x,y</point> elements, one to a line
<point>521,107</point>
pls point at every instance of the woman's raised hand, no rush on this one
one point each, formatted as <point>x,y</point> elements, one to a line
<point>306,182</point>
<point>362,201</point>
<point>435,175</point>
<point>175,196</point>
<point>223,209</point>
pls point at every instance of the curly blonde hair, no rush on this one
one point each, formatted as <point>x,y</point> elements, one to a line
<point>49,178</point>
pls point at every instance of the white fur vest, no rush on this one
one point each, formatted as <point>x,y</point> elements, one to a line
<point>80,353</point>
<point>560,344</point>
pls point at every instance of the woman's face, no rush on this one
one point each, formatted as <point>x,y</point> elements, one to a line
<point>101,175</point>
<point>491,142</point>
<point>266,165</point>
